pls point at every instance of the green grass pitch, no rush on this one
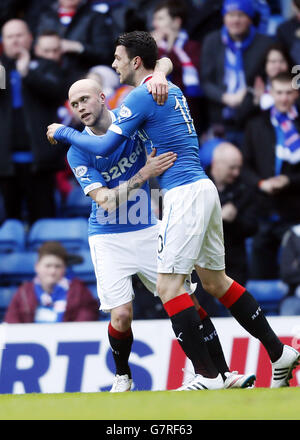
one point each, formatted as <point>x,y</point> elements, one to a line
<point>248,404</point>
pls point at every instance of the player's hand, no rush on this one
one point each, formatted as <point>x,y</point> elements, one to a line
<point>157,165</point>
<point>158,86</point>
<point>51,129</point>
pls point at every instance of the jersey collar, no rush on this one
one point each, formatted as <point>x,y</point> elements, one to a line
<point>144,80</point>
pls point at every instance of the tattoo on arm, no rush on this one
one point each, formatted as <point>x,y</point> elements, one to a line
<point>123,192</point>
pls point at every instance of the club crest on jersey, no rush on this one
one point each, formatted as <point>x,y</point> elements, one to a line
<point>80,171</point>
<point>125,112</point>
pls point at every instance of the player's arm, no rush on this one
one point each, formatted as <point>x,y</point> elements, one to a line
<point>102,146</point>
<point>158,84</point>
<point>111,198</point>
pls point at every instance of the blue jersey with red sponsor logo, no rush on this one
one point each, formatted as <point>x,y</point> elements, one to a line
<point>94,171</point>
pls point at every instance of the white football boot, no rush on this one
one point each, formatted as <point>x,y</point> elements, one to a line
<point>235,380</point>
<point>283,368</point>
<point>199,382</point>
<point>121,384</point>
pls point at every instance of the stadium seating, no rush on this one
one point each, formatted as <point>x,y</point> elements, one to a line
<point>17,267</point>
<point>12,236</point>
<point>77,204</point>
<point>84,270</point>
<point>268,294</point>
<point>6,294</point>
<point>71,232</point>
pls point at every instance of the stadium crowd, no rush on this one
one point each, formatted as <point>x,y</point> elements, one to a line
<point>237,71</point>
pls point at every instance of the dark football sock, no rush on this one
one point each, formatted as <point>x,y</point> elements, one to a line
<point>212,341</point>
<point>188,330</point>
<point>121,343</point>
<point>245,309</point>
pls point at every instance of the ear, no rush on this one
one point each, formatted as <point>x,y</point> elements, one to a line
<point>137,62</point>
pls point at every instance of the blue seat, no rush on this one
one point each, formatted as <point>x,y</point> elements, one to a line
<point>268,293</point>
<point>77,204</point>
<point>12,236</point>
<point>71,233</point>
<point>17,267</point>
<point>93,288</point>
<point>6,294</point>
<point>84,270</point>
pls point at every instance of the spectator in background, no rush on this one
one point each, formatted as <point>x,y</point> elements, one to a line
<point>34,90</point>
<point>238,208</point>
<point>51,296</point>
<point>231,59</point>
<point>86,35</point>
<point>277,60</point>
<point>290,271</point>
<point>28,10</point>
<point>109,82</point>
<point>169,20</point>
<point>272,166</point>
<point>288,33</point>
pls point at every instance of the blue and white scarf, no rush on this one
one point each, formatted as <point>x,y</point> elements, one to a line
<point>234,74</point>
<point>287,136</point>
<point>190,76</point>
<point>51,307</point>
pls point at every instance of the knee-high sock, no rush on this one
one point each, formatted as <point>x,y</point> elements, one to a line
<point>245,309</point>
<point>188,329</point>
<point>121,343</point>
<point>212,341</point>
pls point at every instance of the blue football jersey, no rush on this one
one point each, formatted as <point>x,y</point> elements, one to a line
<point>167,128</point>
<point>92,171</point>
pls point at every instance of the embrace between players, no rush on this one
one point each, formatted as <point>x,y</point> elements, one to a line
<point>109,163</point>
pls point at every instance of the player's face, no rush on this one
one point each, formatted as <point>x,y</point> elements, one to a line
<point>123,66</point>
<point>237,23</point>
<point>50,269</point>
<point>284,95</point>
<point>87,105</point>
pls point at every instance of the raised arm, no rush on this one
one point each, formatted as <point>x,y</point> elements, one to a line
<point>101,146</point>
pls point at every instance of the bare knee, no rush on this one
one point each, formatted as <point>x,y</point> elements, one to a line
<point>216,283</point>
<point>169,286</point>
<point>121,318</point>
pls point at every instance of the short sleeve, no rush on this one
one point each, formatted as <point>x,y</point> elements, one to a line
<point>133,112</point>
<point>87,176</point>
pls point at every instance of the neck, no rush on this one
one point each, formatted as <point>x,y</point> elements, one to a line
<point>140,75</point>
<point>102,125</point>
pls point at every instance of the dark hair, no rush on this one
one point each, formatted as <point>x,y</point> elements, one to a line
<point>141,44</point>
<point>53,248</point>
<point>176,8</point>
<point>283,77</point>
